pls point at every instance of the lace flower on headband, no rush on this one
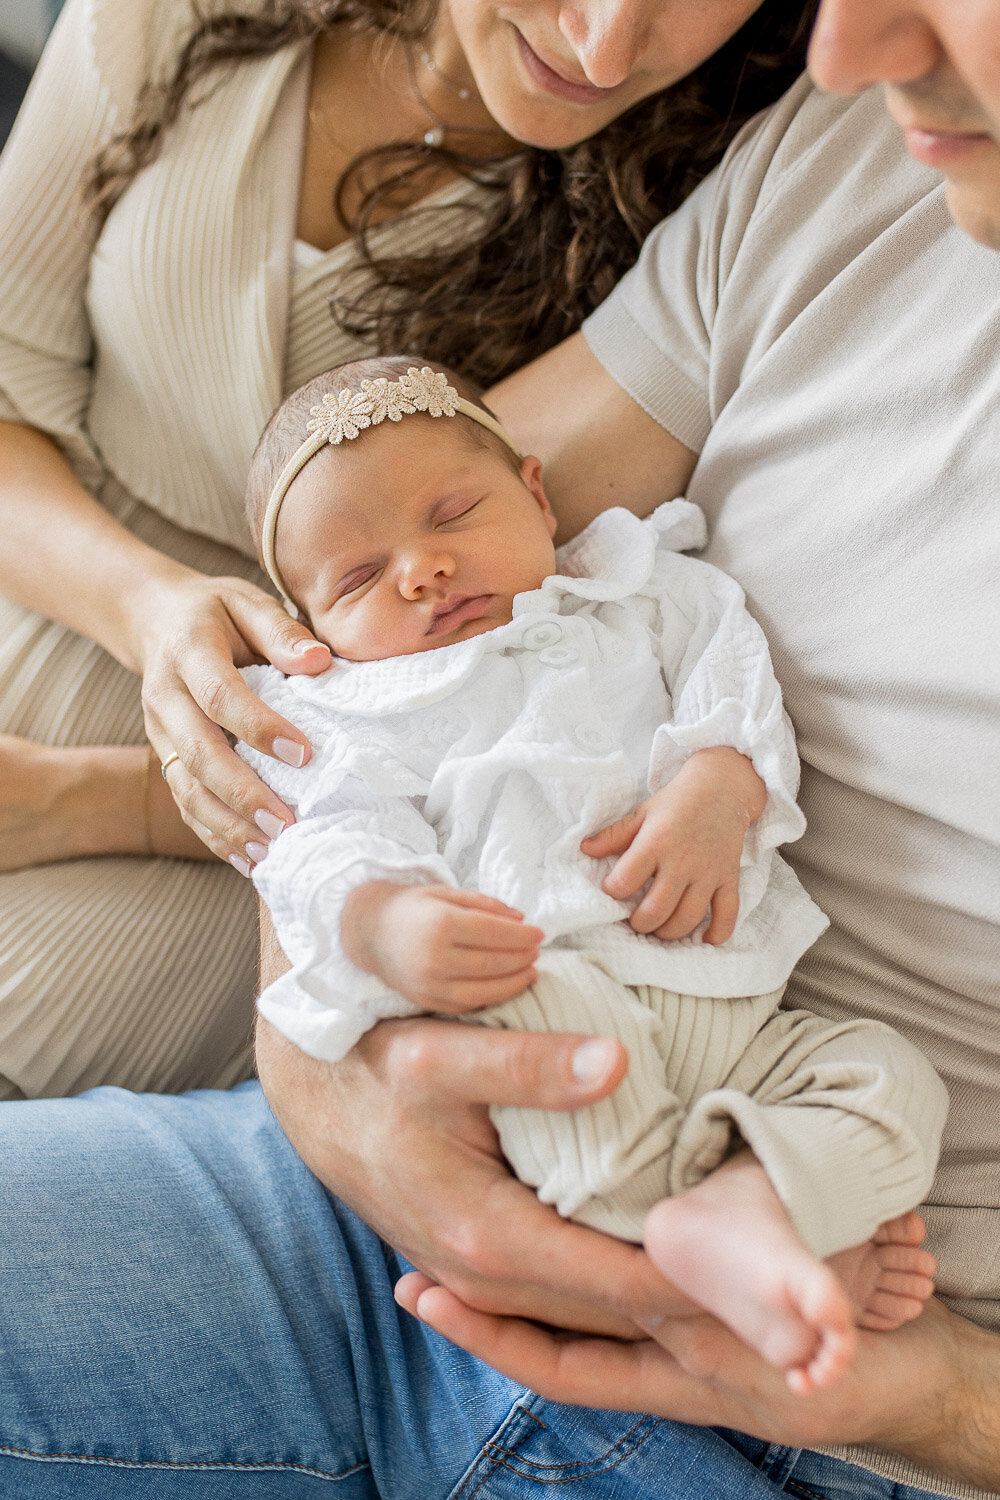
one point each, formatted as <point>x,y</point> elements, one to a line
<point>341,416</point>
<point>348,413</point>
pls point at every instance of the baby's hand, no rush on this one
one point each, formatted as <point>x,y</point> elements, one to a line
<point>440,948</point>
<point>686,839</point>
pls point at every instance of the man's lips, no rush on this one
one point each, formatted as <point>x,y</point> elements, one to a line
<point>942,146</point>
<point>555,83</point>
<point>456,610</point>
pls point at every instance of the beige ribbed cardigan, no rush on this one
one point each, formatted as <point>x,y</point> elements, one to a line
<point>153,358</point>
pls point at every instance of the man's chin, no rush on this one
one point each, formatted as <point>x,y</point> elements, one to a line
<point>976,210</point>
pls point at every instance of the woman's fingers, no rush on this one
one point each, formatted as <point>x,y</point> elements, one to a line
<point>272,633</point>
<point>194,697</point>
<point>213,787</point>
<point>243,844</point>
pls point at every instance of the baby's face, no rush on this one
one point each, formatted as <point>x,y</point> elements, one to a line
<point>411,537</point>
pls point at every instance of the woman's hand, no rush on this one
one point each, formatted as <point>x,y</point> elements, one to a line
<point>400,1131</point>
<point>193,633</point>
<point>186,634</point>
<point>928,1390</point>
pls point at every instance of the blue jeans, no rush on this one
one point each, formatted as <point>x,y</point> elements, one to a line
<point>187,1313</point>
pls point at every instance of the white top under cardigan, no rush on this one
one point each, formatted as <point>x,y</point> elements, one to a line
<point>483,764</point>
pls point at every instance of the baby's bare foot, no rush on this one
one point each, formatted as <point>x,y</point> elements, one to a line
<point>730,1245</point>
<point>890,1278</point>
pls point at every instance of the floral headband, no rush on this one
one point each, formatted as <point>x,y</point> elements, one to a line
<point>341,417</point>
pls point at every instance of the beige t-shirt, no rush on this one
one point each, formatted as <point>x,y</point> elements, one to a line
<point>816,327</point>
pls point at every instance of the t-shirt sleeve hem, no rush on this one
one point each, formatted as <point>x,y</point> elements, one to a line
<point>648,374</point>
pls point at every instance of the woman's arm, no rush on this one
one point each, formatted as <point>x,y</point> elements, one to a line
<point>598,447</point>
<point>66,557</point>
<point>63,554</point>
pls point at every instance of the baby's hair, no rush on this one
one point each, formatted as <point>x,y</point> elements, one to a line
<point>287,429</point>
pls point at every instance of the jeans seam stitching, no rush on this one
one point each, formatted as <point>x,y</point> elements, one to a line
<point>501,1463</point>
<point>803,1489</point>
<point>164,1463</point>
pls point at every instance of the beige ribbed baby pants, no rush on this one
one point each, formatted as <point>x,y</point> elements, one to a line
<point>846,1118</point>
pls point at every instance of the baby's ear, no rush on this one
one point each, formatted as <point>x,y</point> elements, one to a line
<point>531,474</point>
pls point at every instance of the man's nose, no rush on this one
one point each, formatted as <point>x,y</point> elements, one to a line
<point>420,568</point>
<point>856,43</point>
<point>607,36</point>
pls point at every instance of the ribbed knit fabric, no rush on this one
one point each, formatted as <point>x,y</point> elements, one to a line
<point>130,971</point>
<point>846,1120</point>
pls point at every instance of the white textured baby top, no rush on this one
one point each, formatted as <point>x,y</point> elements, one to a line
<point>483,765</point>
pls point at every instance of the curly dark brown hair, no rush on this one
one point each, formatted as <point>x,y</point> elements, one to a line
<point>560,227</point>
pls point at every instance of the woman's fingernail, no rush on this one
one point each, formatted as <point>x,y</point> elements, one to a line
<point>268,823</point>
<point>301,647</point>
<point>290,751</point>
<point>593,1060</point>
<point>257,852</point>
<point>240,864</point>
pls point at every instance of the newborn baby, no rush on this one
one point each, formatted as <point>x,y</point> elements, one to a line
<point>547,792</point>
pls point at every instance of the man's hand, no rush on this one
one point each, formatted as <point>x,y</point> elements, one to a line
<point>400,1131</point>
<point>441,948</point>
<point>927,1391</point>
<point>686,841</point>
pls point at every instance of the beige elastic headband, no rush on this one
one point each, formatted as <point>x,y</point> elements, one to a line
<point>341,417</point>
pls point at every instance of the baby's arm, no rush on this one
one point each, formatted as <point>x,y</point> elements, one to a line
<point>439,947</point>
<point>723,770</point>
<point>686,840</point>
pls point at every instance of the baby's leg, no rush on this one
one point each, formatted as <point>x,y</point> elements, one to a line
<point>730,1245</point>
<point>844,1122</point>
<point>604,1165</point>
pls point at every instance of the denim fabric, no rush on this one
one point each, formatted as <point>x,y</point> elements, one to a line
<point>186,1312</point>
<point>805,1476</point>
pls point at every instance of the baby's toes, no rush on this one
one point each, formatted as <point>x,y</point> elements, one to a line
<point>906,1258</point>
<point>832,1358</point>
<point>905,1229</point>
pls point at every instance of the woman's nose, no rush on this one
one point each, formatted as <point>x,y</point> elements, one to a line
<point>607,36</point>
<point>421,568</point>
<point>857,43</point>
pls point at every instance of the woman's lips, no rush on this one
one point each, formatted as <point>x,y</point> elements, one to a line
<point>465,607</point>
<point>944,148</point>
<point>554,83</point>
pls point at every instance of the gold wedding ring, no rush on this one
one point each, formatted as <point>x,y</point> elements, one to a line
<point>166,764</point>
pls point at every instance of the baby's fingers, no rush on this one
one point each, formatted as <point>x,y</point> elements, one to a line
<point>482,963</point>
<point>483,931</point>
<point>688,910</point>
<point>476,901</point>
<point>614,838</point>
<point>725,910</point>
<point>462,995</point>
